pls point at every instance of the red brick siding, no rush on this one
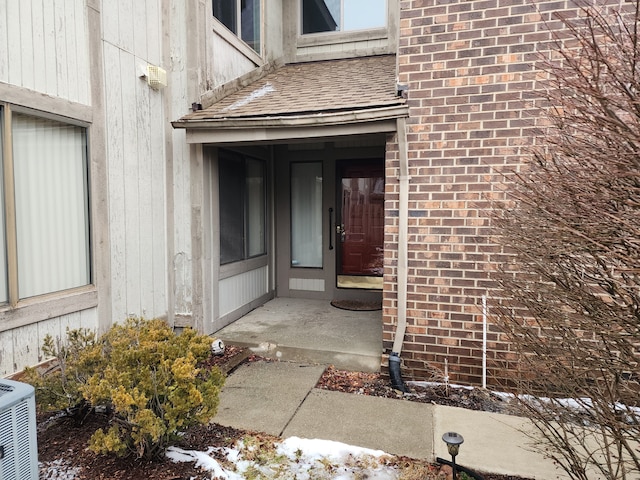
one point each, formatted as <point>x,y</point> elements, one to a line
<point>472,68</point>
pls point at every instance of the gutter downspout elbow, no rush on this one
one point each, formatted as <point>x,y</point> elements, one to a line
<point>403,221</point>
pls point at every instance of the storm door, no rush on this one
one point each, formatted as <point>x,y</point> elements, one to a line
<point>360,225</point>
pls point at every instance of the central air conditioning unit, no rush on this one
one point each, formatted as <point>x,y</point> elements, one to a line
<point>18,435</point>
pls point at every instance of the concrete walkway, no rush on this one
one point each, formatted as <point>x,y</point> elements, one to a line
<point>279,398</point>
<point>303,330</point>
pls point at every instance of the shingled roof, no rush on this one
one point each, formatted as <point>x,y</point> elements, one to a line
<point>323,88</point>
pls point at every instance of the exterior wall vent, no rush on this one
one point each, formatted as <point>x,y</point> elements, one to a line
<point>156,77</point>
<point>18,436</point>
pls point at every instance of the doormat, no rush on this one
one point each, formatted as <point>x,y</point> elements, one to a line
<point>357,305</point>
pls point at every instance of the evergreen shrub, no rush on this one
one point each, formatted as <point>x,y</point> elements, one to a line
<point>148,376</point>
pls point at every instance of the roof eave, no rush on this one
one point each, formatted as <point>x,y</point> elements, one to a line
<point>347,117</point>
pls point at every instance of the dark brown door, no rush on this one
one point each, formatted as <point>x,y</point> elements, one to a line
<point>361,218</point>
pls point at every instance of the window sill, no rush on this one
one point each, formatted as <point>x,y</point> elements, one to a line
<point>333,38</point>
<point>236,42</point>
<point>37,309</point>
<point>232,269</point>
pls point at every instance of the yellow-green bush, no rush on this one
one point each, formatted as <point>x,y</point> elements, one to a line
<point>146,373</point>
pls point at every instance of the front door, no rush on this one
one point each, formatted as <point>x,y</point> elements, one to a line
<point>360,228</point>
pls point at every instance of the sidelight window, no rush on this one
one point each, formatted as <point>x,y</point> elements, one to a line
<point>306,214</point>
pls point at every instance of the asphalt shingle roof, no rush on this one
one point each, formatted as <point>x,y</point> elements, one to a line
<point>309,88</point>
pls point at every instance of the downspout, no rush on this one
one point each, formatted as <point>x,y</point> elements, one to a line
<point>403,221</point>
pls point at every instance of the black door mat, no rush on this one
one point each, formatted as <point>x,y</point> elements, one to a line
<point>356,305</point>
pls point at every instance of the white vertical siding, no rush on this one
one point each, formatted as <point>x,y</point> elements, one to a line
<point>27,40</point>
<point>4,48</point>
<point>115,159</point>
<point>136,155</point>
<point>181,180</point>
<point>307,284</point>
<point>228,62</point>
<point>14,61</point>
<point>239,290</point>
<point>49,39</point>
<point>44,47</point>
<point>131,180</point>
<point>21,347</point>
<point>341,48</point>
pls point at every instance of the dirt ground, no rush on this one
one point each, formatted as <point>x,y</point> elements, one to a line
<point>62,441</point>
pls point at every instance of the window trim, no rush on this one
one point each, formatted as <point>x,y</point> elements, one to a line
<point>331,38</point>
<point>236,41</point>
<point>87,292</point>
<point>9,205</point>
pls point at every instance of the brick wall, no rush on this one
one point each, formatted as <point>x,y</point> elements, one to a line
<point>472,68</point>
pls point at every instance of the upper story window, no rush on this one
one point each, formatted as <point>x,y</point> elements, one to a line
<point>342,15</point>
<point>242,17</point>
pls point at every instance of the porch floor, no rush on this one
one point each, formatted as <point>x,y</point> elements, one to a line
<point>310,331</point>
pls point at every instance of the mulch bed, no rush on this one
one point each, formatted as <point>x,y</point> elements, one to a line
<point>376,385</point>
<point>63,441</point>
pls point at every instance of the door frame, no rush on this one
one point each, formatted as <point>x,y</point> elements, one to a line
<point>316,283</point>
<point>343,279</point>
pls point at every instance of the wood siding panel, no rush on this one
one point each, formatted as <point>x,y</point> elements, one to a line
<point>229,63</point>
<point>158,202</point>
<point>14,63</point>
<point>22,346</point>
<point>110,30</point>
<point>239,290</point>
<point>126,24</point>
<point>115,159</point>
<point>27,50</point>
<point>154,32</point>
<point>82,85</point>
<point>140,35</point>
<point>61,50</point>
<point>4,51</point>
<point>136,153</point>
<point>180,261</point>
<point>49,50</point>
<point>130,179</point>
<point>340,49</point>
<point>44,47</point>
<point>39,58</point>
<point>145,227</point>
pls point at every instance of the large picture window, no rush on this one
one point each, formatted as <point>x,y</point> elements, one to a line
<point>242,207</point>
<point>342,15</point>
<point>242,17</point>
<point>45,214</point>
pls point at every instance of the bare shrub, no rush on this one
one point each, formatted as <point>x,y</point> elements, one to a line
<point>572,294</point>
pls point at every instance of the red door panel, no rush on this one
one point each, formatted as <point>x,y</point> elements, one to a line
<point>362,218</point>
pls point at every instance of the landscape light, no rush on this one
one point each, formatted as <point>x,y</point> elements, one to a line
<point>453,441</point>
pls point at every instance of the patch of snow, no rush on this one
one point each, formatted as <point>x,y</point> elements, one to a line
<point>58,469</point>
<point>257,93</point>
<point>438,384</point>
<point>296,458</point>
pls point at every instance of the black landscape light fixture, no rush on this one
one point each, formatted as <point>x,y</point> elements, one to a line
<point>453,441</point>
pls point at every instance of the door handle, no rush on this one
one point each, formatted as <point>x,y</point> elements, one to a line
<point>330,228</point>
